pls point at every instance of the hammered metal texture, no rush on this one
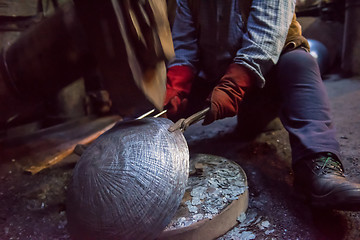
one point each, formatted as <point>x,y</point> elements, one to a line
<point>129,183</point>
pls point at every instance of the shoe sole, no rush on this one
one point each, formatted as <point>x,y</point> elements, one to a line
<point>332,200</point>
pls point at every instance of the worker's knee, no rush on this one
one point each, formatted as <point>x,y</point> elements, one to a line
<point>297,66</point>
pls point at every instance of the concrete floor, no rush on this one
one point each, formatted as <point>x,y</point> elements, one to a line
<point>33,206</point>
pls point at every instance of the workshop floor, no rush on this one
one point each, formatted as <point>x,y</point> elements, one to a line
<point>33,206</point>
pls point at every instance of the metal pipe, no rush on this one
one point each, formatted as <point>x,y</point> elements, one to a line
<point>351,48</point>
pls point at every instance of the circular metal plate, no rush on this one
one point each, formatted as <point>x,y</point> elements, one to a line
<point>216,195</point>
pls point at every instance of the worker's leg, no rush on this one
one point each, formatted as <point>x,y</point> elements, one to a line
<point>304,111</point>
<point>318,171</point>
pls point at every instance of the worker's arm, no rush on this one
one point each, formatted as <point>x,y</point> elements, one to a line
<point>267,28</point>
<point>181,69</point>
<point>184,37</point>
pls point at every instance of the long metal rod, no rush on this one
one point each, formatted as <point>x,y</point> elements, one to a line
<point>160,113</point>
<point>146,114</point>
<point>150,112</point>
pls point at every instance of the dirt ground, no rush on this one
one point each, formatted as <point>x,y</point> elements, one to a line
<point>33,206</point>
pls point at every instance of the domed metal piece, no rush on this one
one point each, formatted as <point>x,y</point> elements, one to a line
<point>129,183</point>
<point>319,51</point>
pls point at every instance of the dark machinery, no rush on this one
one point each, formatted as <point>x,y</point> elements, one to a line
<point>119,47</point>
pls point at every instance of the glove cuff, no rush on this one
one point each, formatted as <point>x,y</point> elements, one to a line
<point>179,82</point>
<point>229,93</point>
<point>180,79</point>
<point>239,75</point>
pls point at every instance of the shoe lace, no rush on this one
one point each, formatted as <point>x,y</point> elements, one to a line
<point>328,164</point>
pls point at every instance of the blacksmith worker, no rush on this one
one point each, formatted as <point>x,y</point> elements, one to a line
<point>231,52</point>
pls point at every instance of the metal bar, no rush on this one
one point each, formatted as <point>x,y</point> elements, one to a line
<point>146,114</point>
<point>160,113</point>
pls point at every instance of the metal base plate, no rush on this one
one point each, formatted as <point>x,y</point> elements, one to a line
<point>216,195</point>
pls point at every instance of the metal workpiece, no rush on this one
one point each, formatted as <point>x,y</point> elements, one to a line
<point>129,183</point>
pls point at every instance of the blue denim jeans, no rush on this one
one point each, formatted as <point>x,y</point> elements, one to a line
<point>304,105</point>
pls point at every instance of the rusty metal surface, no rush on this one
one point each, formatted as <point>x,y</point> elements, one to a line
<point>45,148</point>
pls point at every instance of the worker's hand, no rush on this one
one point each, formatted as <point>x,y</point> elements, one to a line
<point>228,93</point>
<point>178,86</point>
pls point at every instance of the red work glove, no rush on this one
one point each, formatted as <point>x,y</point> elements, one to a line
<point>228,93</point>
<point>178,86</point>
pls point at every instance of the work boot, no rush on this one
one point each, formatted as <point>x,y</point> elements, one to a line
<point>321,180</point>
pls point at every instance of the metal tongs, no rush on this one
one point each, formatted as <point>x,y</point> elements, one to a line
<point>183,123</point>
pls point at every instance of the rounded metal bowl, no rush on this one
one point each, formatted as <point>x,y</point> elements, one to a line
<point>128,183</point>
